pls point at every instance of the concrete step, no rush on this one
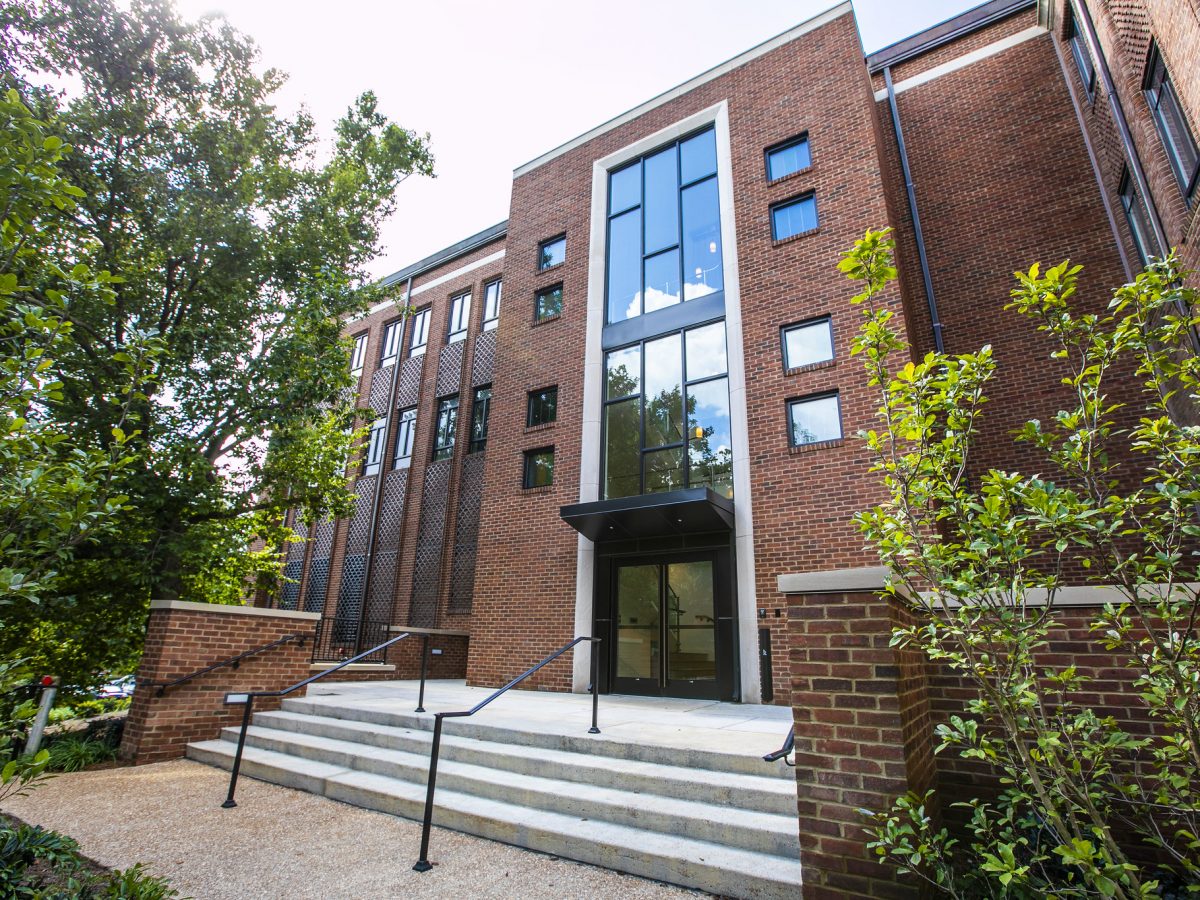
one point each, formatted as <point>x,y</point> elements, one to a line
<point>547,737</point>
<point>733,826</point>
<point>719,869</point>
<point>762,792</point>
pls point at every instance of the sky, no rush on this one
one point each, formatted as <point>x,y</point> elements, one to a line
<point>496,84</point>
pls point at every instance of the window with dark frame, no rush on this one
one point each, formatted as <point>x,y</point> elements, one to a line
<point>539,468</point>
<point>406,435</point>
<point>664,229</point>
<point>793,217</point>
<point>1177,136</point>
<point>548,303</point>
<point>420,332</point>
<point>358,355</point>
<point>542,407</point>
<point>460,317</point>
<point>807,343</point>
<point>391,342</point>
<point>1136,217</point>
<point>481,407</point>
<point>375,443</point>
<point>789,157</point>
<point>552,252</point>
<point>446,428</point>
<point>814,420</point>
<point>1083,58</point>
<point>491,304</point>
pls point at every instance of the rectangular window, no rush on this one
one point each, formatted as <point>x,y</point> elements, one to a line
<point>664,229</point>
<point>491,304</point>
<point>794,217</point>
<point>1136,216</point>
<point>539,467</point>
<point>446,429</point>
<point>460,315</point>
<point>391,342</point>
<point>552,252</point>
<point>814,419</point>
<point>481,408</point>
<point>807,343</point>
<point>358,355</point>
<point>543,407</point>
<point>405,438</point>
<point>1172,124</point>
<point>788,157</point>
<point>375,447</point>
<point>420,332</point>
<point>548,303</point>
<point>1083,59</point>
<point>666,415</point>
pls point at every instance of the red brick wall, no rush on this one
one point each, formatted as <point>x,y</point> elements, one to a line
<point>183,639</point>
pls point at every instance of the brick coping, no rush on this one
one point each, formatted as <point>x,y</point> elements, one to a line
<point>450,631</point>
<point>222,609</point>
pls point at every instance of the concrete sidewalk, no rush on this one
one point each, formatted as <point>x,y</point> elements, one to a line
<point>281,843</point>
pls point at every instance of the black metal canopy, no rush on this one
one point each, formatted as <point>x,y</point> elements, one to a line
<point>688,511</point>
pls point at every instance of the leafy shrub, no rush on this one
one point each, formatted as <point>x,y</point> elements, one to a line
<point>135,883</point>
<point>73,753</point>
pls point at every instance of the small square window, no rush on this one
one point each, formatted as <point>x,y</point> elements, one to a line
<point>787,158</point>
<point>807,343</point>
<point>491,304</point>
<point>460,315</point>
<point>420,332</point>
<point>794,217</point>
<point>543,407</point>
<point>552,252</point>
<point>358,355</point>
<point>539,468</point>
<point>391,342</point>
<point>814,419</point>
<point>548,303</point>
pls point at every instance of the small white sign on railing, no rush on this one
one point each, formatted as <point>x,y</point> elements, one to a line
<point>236,699</point>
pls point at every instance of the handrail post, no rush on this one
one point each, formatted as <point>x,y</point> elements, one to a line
<point>595,729</point>
<point>423,864</point>
<point>424,665</point>
<point>237,758</point>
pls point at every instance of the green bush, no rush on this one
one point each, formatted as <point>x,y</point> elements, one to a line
<point>135,883</point>
<point>73,753</point>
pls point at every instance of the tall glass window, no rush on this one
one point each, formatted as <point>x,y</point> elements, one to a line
<point>1083,59</point>
<point>460,314</point>
<point>491,304</point>
<point>666,414</point>
<point>1172,125</point>
<point>1136,217</point>
<point>375,447</point>
<point>664,229</point>
<point>420,332</point>
<point>405,436</point>
<point>391,342</point>
<point>481,408</point>
<point>446,429</point>
<point>358,355</point>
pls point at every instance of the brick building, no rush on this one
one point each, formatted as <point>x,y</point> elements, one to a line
<point>629,409</point>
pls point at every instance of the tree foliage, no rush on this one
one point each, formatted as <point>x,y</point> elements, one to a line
<point>241,244</point>
<point>982,557</point>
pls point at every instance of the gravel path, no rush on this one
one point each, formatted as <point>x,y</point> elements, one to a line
<point>282,843</point>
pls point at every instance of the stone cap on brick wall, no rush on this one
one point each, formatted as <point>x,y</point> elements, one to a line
<point>451,631</point>
<point>834,581</point>
<point>222,609</point>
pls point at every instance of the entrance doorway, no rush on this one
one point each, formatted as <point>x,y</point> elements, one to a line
<point>669,634</point>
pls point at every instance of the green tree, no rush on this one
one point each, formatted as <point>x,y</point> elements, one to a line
<point>980,558</point>
<point>242,245</point>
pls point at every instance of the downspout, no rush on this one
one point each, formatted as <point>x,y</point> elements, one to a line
<point>910,188</point>
<point>374,520</point>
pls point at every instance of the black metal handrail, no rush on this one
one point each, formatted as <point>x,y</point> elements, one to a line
<point>251,695</point>
<point>423,864</point>
<point>789,744</point>
<point>234,661</point>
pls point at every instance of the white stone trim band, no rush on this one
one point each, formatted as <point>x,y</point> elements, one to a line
<point>222,609</point>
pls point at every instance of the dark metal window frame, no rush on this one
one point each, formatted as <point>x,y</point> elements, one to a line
<point>406,434</point>
<point>808,398</point>
<point>528,469</point>
<point>1083,59</point>
<point>827,318</point>
<point>684,385</point>
<point>491,321</point>
<point>445,406</point>
<point>393,333</point>
<point>459,318</point>
<point>420,329</point>
<point>479,442</point>
<point>358,355</point>
<point>537,303</point>
<point>1156,79</point>
<point>680,187</point>
<point>794,201</point>
<point>1127,193</point>
<point>537,399</point>
<point>788,144</point>
<point>542,245</point>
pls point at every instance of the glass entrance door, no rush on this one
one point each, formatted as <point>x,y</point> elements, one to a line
<point>666,628</point>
